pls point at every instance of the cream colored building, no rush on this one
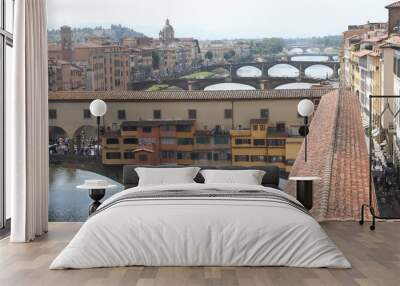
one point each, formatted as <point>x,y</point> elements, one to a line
<point>218,116</point>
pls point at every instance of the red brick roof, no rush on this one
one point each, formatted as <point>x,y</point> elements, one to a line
<point>337,153</point>
<point>186,95</point>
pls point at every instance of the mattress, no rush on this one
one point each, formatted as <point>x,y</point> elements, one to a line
<point>201,225</point>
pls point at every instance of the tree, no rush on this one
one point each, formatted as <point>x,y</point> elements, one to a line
<point>229,55</point>
<point>209,55</point>
<point>273,45</point>
<point>156,60</point>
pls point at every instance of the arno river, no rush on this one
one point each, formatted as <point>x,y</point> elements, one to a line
<point>67,203</point>
<point>283,70</point>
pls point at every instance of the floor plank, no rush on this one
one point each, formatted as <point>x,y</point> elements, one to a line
<point>375,257</point>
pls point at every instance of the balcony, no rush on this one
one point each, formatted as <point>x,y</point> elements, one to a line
<point>277,132</point>
<point>241,133</point>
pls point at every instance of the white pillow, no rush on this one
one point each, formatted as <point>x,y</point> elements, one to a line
<point>166,176</point>
<point>246,177</point>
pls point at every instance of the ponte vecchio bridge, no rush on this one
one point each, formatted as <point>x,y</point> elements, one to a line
<point>265,81</point>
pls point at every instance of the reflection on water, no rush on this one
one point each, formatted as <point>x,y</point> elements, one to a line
<point>296,85</point>
<point>310,59</point>
<point>229,86</point>
<point>319,72</point>
<point>66,202</point>
<point>283,70</point>
<point>249,71</point>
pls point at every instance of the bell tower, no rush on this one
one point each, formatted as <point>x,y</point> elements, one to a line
<point>66,43</point>
<point>394,17</point>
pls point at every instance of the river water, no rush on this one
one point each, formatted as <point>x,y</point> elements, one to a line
<point>66,202</point>
<point>281,70</point>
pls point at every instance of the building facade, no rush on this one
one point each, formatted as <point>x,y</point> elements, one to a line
<point>187,128</point>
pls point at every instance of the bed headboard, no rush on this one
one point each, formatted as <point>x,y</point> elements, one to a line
<point>271,178</point>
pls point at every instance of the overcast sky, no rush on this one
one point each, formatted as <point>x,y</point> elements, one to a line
<point>220,19</point>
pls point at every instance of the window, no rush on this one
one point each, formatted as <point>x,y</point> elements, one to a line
<point>157,114</point>
<point>185,141</point>
<point>112,141</point>
<point>242,141</point>
<point>129,128</point>
<point>121,114</point>
<point>129,155</point>
<point>184,155</point>
<point>113,155</point>
<point>257,158</point>
<point>242,158</point>
<point>168,128</point>
<point>228,113</point>
<point>130,141</point>
<point>168,155</point>
<point>87,114</point>
<point>146,129</point>
<point>192,113</point>
<point>259,142</point>
<point>168,141</point>
<point>264,113</point>
<point>143,158</point>
<point>203,140</point>
<point>281,126</point>
<point>255,127</point>
<point>215,156</point>
<point>183,128</point>
<point>6,64</point>
<point>195,156</point>
<point>221,140</point>
<point>52,114</point>
<point>276,142</point>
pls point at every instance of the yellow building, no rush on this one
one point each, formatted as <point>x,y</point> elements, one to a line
<point>374,68</point>
<point>355,72</point>
<point>265,145</point>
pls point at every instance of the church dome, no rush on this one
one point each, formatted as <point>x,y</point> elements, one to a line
<point>167,33</point>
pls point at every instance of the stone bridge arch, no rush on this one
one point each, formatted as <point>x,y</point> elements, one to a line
<point>247,81</point>
<point>221,71</point>
<point>258,67</point>
<point>85,132</point>
<point>328,74</point>
<point>277,65</point>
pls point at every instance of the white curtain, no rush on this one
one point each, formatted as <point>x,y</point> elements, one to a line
<point>27,124</point>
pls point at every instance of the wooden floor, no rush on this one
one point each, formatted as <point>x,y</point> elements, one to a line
<point>375,257</point>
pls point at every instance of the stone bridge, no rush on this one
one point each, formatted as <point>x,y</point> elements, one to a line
<point>201,84</point>
<point>331,57</point>
<point>264,67</point>
<point>265,81</point>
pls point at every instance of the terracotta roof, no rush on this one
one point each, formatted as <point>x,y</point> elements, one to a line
<point>156,122</point>
<point>393,41</point>
<point>393,5</point>
<point>337,153</point>
<point>187,95</point>
<point>143,149</point>
<point>362,53</point>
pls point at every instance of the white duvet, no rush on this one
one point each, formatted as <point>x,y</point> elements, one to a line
<point>200,232</point>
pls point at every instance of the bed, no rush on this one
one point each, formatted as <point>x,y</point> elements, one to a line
<point>197,224</point>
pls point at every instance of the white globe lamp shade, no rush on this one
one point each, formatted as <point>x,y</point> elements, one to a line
<point>305,108</point>
<point>98,107</point>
